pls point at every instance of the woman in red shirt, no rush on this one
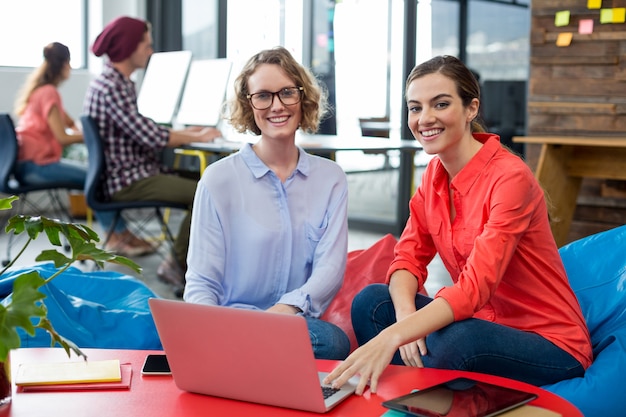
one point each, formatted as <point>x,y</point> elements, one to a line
<point>44,129</point>
<point>510,310</point>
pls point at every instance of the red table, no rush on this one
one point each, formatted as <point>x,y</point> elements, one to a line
<point>156,396</point>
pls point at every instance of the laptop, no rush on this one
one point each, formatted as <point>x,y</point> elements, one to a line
<point>245,355</point>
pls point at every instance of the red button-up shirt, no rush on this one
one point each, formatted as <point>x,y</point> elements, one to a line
<point>499,250</point>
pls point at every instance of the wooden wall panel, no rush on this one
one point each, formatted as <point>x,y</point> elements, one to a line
<point>579,90</point>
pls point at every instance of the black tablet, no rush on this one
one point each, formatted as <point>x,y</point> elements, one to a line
<point>460,397</point>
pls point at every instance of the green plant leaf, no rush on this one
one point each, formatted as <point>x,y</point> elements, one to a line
<point>66,344</point>
<point>25,301</point>
<point>25,305</point>
<point>7,203</point>
<point>9,338</point>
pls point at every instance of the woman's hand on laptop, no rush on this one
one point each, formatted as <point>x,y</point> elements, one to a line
<point>369,361</point>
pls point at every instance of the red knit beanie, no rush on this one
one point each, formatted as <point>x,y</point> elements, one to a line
<point>120,38</point>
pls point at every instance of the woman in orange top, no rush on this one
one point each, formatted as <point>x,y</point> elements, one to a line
<point>510,310</point>
<point>43,130</point>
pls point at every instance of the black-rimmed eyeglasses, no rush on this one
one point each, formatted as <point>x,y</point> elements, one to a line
<point>288,96</point>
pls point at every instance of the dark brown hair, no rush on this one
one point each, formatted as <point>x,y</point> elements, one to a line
<point>55,55</point>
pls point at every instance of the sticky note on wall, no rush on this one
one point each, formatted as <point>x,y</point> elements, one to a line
<point>561,18</point>
<point>619,15</point>
<point>564,39</point>
<point>585,27</point>
<point>594,4</point>
<point>606,16</point>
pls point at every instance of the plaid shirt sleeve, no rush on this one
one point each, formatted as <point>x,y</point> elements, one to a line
<point>133,143</point>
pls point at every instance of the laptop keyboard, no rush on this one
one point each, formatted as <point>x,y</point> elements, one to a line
<point>328,391</point>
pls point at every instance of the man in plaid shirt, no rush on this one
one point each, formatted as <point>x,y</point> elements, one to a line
<point>132,142</point>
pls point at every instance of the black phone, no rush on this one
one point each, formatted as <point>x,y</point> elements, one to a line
<point>156,365</point>
<point>460,397</point>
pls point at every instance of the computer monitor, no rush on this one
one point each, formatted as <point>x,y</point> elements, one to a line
<point>162,85</point>
<point>204,93</point>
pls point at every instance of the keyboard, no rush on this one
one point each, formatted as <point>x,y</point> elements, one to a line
<point>328,391</point>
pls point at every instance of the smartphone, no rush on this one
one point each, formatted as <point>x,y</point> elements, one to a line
<point>156,365</point>
<point>460,397</point>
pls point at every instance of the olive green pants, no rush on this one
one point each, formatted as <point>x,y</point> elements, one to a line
<point>169,188</point>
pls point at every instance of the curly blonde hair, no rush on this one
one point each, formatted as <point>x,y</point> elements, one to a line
<point>314,97</point>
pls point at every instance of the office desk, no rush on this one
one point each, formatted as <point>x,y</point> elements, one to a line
<point>564,161</point>
<point>156,396</point>
<point>325,144</point>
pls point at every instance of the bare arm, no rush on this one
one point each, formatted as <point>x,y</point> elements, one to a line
<point>371,359</point>
<point>402,287</point>
<point>58,123</point>
<point>192,134</point>
<point>69,122</point>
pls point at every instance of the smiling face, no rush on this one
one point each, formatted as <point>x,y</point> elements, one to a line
<point>278,120</point>
<point>437,117</point>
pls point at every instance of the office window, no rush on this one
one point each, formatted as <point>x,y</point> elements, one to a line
<point>445,29</point>
<point>251,27</point>
<point>200,28</point>
<point>261,24</point>
<point>27,26</point>
<point>362,50</point>
<point>497,44</point>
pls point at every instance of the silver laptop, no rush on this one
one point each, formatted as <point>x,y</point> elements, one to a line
<point>244,355</point>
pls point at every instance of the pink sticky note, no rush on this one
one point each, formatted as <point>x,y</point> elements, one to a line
<point>585,27</point>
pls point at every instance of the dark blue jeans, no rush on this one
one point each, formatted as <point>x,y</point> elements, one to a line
<point>28,172</point>
<point>470,345</point>
<point>328,340</point>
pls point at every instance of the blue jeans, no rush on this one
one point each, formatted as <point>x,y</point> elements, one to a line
<point>470,345</point>
<point>28,172</point>
<point>328,340</point>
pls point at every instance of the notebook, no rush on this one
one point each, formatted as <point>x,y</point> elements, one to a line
<point>245,355</point>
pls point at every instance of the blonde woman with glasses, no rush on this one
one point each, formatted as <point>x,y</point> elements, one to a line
<point>269,226</point>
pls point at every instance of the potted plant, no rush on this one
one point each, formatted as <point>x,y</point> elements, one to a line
<point>25,308</point>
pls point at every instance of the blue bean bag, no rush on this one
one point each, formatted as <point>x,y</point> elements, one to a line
<point>596,267</point>
<point>101,309</point>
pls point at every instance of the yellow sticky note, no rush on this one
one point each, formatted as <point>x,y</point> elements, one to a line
<point>619,14</point>
<point>594,4</point>
<point>561,18</point>
<point>564,39</point>
<point>606,16</point>
<point>585,27</point>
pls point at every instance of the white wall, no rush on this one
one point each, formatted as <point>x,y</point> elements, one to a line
<point>73,90</point>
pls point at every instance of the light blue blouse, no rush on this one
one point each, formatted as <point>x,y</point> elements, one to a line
<point>256,241</point>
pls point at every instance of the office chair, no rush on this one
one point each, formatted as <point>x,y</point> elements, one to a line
<point>95,196</point>
<point>11,186</point>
